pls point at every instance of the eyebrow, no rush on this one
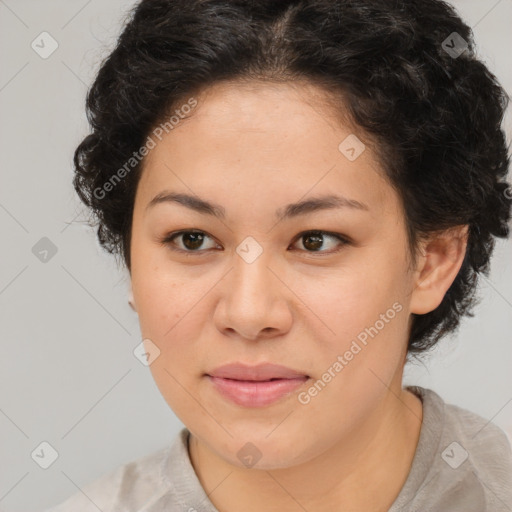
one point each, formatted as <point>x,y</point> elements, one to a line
<point>314,204</point>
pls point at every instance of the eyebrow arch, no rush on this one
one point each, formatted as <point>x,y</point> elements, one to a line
<point>289,211</point>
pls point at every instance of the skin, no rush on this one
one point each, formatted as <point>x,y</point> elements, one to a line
<point>253,149</point>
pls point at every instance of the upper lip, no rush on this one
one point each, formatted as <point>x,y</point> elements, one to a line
<point>260,372</point>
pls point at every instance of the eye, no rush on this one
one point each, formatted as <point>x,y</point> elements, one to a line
<point>191,240</point>
<point>314,240</point>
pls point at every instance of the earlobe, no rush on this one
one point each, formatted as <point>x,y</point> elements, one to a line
<point>131,300</point>
<point>440,261</point>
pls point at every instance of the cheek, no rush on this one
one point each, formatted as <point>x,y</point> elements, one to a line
<point>350,299</point>
<point>171,316</point>
<point>164,295</point>
<point>365,310</point>
<point>166,309</point>
<point>156,303</point>
<point>359,362</point>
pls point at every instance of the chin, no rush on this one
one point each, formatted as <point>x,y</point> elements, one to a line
<point>256,449</point>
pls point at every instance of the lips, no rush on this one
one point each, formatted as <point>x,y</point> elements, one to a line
<point>255,386</point>
<point>261,372</point>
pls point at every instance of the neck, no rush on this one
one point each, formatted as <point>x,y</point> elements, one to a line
<point>364,471</point>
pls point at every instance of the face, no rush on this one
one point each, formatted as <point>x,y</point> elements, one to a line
<point>322,290</point>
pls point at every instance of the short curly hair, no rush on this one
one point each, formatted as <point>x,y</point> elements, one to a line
<point>436,115</point>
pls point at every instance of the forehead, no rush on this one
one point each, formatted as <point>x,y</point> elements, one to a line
<point>264,140</point>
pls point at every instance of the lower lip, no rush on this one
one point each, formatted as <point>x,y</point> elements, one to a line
<point>255,394</point>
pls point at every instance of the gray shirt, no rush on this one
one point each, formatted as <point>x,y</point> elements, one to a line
<point>462,463</point>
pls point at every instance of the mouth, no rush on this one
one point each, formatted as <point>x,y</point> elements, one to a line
<point>256,393</point>
<point>260,372</point>
<point>255,386</point>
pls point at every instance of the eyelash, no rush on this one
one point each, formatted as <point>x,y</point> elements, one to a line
<point>168,241</point>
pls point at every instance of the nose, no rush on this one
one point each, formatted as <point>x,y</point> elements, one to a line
<point>255,302</point>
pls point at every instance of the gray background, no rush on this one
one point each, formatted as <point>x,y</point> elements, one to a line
<point>68,375</point>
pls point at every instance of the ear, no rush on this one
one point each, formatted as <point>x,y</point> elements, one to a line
<point>440,259</point>
<point>131,300</point>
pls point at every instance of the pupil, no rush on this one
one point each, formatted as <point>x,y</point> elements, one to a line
<point>317,244</point>
<point>197,239</point>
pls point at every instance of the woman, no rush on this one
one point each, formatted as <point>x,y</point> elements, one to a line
<point>304,194</point>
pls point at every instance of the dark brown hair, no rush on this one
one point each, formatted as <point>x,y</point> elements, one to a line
<point>399,68</point>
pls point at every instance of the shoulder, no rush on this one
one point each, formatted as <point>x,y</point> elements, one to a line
<point>129,486</point>
<point>487,447</point>
<point>472,464</point>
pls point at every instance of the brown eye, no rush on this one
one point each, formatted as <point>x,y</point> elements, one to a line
<point>191,241</point>
<point>313,241</point>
